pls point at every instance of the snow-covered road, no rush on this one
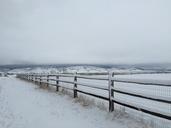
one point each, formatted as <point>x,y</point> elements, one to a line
<point>25,105</point>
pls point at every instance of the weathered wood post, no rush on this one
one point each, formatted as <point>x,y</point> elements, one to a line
<point>35,79</point>
<point>111,93</point>
<point>40,80</point>
<point>75,86</point>
<point>57,83</point>
<point>28,77</point>
<point>32,78</point>
<point>47,80</point>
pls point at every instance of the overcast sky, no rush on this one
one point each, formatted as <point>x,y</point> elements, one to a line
<point>85,31</point>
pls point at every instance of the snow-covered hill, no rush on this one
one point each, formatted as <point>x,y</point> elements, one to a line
<point>73,69</point>
<point>70,69</point>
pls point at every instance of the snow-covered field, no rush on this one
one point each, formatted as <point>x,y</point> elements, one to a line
<point>73,69</point>
<point>25,105</point>
<point>12,88</point>
<point>146,90</point>
<point>51,70</point>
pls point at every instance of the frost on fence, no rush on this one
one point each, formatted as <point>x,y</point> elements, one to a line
<point>138,92</point>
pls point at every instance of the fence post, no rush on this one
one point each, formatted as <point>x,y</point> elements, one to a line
<point>40,80</point>
<point>32,78</point>
<point>47,80</point>
<point>35,79</point>
<point>75,85</point>
<point>111,93</point>
<point>27,77</point>
<point>57,82</point>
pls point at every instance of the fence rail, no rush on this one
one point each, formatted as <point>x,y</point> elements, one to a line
<point>110,89</point>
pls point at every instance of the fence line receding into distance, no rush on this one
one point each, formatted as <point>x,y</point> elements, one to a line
<point>110,89</point>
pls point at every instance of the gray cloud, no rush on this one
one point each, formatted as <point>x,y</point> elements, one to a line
<point>79,31</point>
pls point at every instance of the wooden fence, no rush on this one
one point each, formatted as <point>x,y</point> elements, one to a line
<point>111,79</point>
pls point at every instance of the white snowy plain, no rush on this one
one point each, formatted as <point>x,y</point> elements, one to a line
<point>25,105</point>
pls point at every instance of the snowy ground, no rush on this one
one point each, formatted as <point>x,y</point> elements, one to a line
<point>150,90</point>
<point>25,105</point>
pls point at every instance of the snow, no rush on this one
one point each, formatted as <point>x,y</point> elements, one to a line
<point>146,90</point>
<point>26,105</point>
<point>69,69</point>
<point>32,92</point>
<point>78,69</point>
